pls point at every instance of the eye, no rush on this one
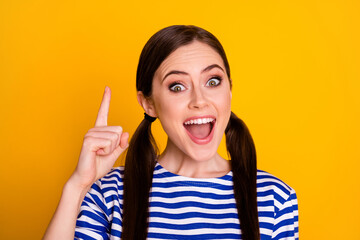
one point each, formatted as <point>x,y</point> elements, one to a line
<point>176,87</point>
<point>213,82</point>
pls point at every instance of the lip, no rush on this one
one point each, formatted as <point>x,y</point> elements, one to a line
<point>202,141</point>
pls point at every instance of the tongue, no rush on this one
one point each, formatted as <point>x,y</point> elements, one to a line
<point>199,130</point>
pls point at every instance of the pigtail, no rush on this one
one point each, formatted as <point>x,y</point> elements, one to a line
<point>142,151</point>
<point>139,167</point>
<point>242,152</point>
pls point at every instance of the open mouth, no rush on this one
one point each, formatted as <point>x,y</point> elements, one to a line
<point>200,129</point>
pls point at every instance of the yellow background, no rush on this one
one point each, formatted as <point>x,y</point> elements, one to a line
<point>295,70</point>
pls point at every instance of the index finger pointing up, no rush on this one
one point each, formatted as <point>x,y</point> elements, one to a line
<point>102,116</point>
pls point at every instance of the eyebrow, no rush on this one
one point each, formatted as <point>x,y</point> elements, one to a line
<point>208,68</point>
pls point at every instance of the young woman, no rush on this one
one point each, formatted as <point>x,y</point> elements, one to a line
<point>188,191</point>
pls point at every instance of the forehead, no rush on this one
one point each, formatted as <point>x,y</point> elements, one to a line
<point>190,57</point>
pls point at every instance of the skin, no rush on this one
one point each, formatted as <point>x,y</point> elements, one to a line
<point>103,144</point>
<point>196,98</point>
<point>101,147</point>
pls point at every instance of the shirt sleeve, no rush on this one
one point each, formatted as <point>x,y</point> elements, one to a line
<point>93,220</point>
<point>286,225</point>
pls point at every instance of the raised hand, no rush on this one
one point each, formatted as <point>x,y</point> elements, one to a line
<point>102,146</point>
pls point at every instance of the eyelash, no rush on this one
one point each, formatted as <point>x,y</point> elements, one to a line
<point>172,85</point>
<point>217,78</point>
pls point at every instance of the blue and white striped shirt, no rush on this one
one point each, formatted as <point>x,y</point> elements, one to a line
<point>189,208</point>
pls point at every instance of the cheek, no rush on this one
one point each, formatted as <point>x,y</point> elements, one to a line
<point>225,112</point>
<point>227,100</point>
<point>171,114</point>
<point>169,109</point>
<point>223,101</point>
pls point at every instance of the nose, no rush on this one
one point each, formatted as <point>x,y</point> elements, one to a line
<point>198,100</point>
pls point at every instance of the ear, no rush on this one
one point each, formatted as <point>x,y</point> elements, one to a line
<point>147,104</point>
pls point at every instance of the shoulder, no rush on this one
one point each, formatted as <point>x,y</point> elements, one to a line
<point>110,184</point>
<point>116,175</point>
<point>277,206</point>
<point>102,207</point>
<point>272,188</point>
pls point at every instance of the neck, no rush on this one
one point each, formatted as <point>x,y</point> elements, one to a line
<point>176,161</point>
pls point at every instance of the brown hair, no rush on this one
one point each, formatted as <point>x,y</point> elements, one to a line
<point>142,151</point>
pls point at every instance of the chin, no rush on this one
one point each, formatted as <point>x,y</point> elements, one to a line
<point>203,155</point>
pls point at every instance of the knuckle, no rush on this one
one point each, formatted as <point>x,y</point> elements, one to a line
<point>114,136</point>
<point>118,129</point>
<point>87,140</point>
<point>92,129</point>
<point>88,134</point>
<point>108,142</point>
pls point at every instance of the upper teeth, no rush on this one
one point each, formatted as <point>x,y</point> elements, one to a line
<point>199,121</point>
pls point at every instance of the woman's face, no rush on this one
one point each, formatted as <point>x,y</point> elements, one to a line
<point>192,98</point>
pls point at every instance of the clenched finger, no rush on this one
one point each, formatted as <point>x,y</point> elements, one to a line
<point>101,146</point>
<point>117,129</point>
<point>112,136</point>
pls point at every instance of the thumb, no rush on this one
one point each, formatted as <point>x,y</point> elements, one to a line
<point>124,140</point>
<point>119,149</point>
<point>109,160</point>
<point>117,152</point>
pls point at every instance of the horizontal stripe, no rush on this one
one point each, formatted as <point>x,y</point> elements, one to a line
<point>192,232</point>
<point>191,214</point>
<point>222,236</point>
<point>189,208</point>
<point>193,184</point>
<point>194,226</point>
<point>194,220</point>
<point>190,193</point>
<point>192,199</point>
<point>184,188</point>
